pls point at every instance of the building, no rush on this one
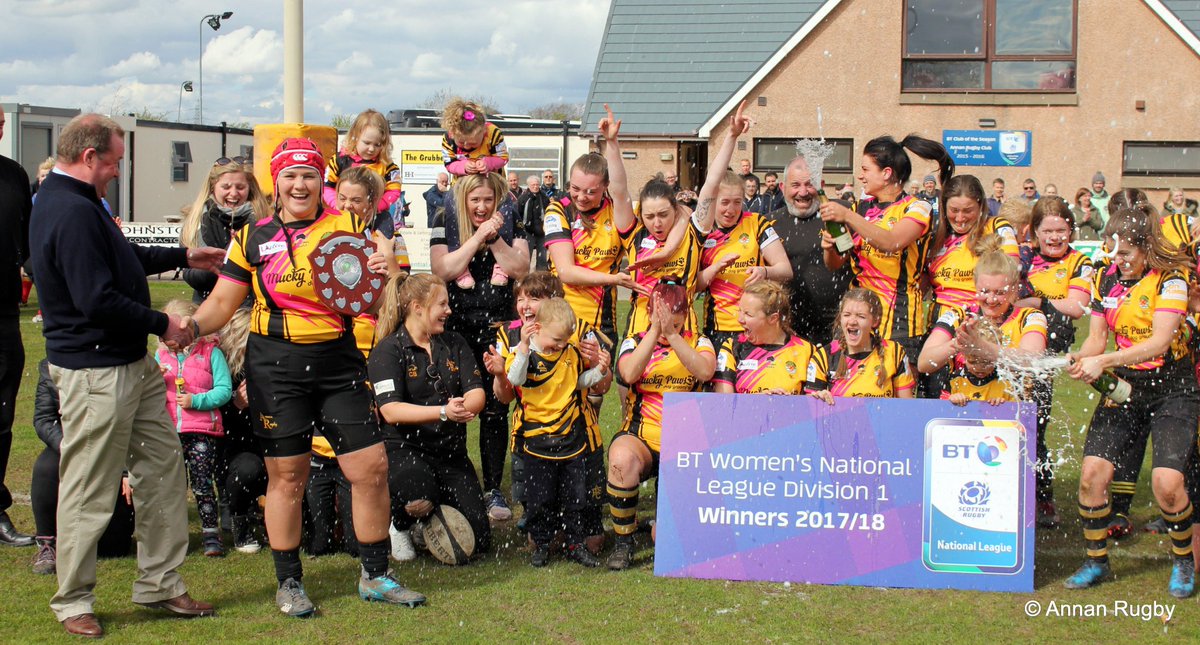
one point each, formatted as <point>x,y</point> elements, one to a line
<point>1102,85</point>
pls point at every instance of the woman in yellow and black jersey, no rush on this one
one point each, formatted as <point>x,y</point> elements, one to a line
<point>585,233</point>
<point>891,234</point>
<point>1142,300</point>
<point>858,363</point>
<point>665,358</point>
<point>740,248</point>
<point>303,369</point>
<point>1058,278</point>
<point>767,358</point>
<point>659,218</point>
<point>1175,227</point>
<point>956,247</point>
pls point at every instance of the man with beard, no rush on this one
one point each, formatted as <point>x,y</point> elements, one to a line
<point>816,291</point>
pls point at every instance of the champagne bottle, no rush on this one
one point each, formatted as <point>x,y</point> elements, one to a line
<point>840,233</point>
<point>1114,387</point>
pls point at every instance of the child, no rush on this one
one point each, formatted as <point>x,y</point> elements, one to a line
<point>858,363</point>
<point>368,143</point>
<point>556,429</point>
<point>471,145</point>
<point>198,384</point>
<point>974,379</point>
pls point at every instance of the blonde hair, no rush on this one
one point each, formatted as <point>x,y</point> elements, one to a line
<point>399,295</point>
<point>454,118</point>
<point>592,163</point>
<point>370,119</point>
<point>47,164</point>
<point>774,299</point>
<point>463,188</point>
<point>368,179</point>
<point>178,308</point>
<point>875,307</point>
<point>996,262</point>
<point>733,180</point>
<point>233,337</point>
<point>1017,212</point>
<point>556,311</point>
<point>193,216</point>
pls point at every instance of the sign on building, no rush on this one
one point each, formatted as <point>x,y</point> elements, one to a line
<point>420,166</point>
<point>989,147</point>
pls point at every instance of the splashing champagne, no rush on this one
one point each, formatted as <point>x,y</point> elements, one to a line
<point>815,152</point>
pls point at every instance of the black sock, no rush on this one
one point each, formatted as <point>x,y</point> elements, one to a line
<point>374,557</point>
<point>1179,527</point>
<point>287,564</point>
<point>1095,530</point>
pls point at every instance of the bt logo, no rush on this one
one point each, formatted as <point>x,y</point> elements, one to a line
<point>988,451</point>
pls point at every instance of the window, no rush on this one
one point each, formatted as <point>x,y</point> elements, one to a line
<point>532,161</point>
<point>181,156</point>
<point>989,45</point>
<point>1167,158</point>
<point>776,154</point>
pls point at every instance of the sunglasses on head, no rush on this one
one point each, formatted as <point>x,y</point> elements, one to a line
<point>225,161</point>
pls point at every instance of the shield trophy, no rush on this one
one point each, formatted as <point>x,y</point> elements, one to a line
<point>340,275</point>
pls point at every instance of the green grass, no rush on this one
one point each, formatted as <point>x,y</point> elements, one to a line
<point>500,598</point>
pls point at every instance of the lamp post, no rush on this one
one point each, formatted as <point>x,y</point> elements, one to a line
<point>186,86</point>
<point>212,20</point>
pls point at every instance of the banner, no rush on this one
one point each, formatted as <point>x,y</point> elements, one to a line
<point>873,492</point>
<point>152,234</point>
<point>989,147</point>
<point>420,167</point>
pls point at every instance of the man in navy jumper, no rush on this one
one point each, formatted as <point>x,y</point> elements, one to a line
<point>96,308</point>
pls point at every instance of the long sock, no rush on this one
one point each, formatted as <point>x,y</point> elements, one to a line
<point>1179,527</point>
<point>1122,496</point>
<point>287,564</point>
<point>622,503</point>
<point>374,557</point>
<point>1095,530</point>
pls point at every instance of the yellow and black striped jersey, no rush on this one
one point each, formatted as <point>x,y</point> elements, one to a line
<point>987,388</point>
<point>1128,306</point>
<point>684,264</point>
<point>664,373</point>
<point>894,276</point>
<point>553,419</point>
<point>597,247</point>
<point>752,369</point>
<point>746,239</point>
<point>860,376</point>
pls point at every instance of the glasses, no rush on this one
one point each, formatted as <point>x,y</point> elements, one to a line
<point>1030,187</point>
<point>439,387</point>
<point>225,161</point>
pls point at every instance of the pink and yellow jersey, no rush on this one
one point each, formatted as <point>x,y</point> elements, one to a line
<point>746,239</point>
<point>860,376</point>
<point>753,369</point>
<point>1128,306</point>
<point>1018,323</point>
<point>894,276</point>
<point>389,171</point>
<point>597,247</point>
<point>1054,279</point>
<point>664,373</point>
<point>272,258</point>
<point>493,146</point>
<point>952,268</point>
<point>684,265</point>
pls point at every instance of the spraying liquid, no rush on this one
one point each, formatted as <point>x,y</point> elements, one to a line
<point>815,152</point>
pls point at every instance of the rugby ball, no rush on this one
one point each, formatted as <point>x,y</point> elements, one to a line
<point>449,536</point>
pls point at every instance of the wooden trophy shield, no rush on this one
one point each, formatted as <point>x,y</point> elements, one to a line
<point>340,275</point>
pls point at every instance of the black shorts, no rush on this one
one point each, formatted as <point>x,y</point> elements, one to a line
<point>1164,400</point>
<point>292,388</point>
<point>650,473</point>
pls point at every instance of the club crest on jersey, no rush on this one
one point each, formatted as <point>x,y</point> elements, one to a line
<point>790,366</point>
<point>1144,302</point>
<point>1060,274</point>
<point>744,239</point>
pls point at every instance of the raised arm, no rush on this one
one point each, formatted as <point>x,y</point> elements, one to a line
<point>618,183</point>
<point>717,167</point>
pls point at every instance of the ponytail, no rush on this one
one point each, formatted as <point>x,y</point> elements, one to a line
<point>887,153</point>
<point>401,291</point>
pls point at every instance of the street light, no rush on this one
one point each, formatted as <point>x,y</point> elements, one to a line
<point>186,86</point>
<point>213,20</point>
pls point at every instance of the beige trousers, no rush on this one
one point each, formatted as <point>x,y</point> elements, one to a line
<point>114,419</point>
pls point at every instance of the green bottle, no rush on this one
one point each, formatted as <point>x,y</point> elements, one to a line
<point>1114,387</point>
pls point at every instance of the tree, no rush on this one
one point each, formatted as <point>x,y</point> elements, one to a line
<point>146,114</point>
<point>342,121</point>
<point>558,111</point>
<point>439,99</point>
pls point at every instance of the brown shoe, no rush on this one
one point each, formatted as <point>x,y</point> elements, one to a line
<point>183,605</point>
<point>86,625</point>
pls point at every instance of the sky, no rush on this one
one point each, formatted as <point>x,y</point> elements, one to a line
<point>121,56</point>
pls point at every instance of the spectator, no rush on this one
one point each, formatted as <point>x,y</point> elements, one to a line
<point>815,291</point>
<point>548,186</point>
<point>1100,196</point>
<point>997,199</point>
<point>684,196</point>
<point>96,305</point>
<point>44,169</point>
<point>1177,202</point>
<point>1088,220</point>
<point>745,171</point>
<point>772,194</point>
<point>1050,191</point>
<point>15,205</point>
<point>1029,192</point>
<point>329,499</point>
<point>930,193</point>
<point>752,202</point>
<point>531,208</point>
<point>435,197</point>
<point>246,472</point>
<point>514,186</point>
<point>43,491</point>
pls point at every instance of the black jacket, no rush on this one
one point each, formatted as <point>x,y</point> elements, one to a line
<point>91,281</point>
<point>216,229</point>
<point>531,208</point>
<point>47,421</point>
<point>15,207</point>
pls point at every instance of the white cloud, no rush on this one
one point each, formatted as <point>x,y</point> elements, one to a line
<point>356,63</point>
<point>135,64</point>
<point>428,66</point>
<point>245,51</point>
